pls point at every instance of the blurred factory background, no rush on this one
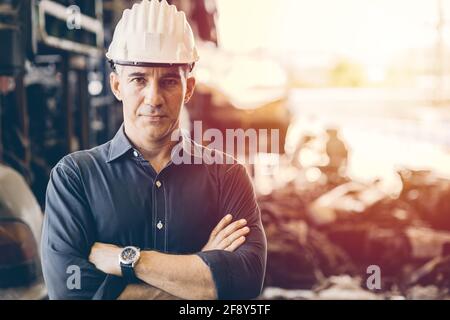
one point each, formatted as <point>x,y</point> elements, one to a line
<point>360,93</point>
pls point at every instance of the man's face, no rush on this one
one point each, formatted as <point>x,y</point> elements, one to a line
<point>152,98</point>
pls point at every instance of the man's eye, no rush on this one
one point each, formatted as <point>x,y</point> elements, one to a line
<point>138,80</point>
<point>170,82</point>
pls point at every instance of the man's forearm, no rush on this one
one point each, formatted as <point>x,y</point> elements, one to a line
<point>184,276</point>
<point>145,292</point>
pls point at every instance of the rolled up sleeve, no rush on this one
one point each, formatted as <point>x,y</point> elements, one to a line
<point>67,237</point>
<point>239,274</point>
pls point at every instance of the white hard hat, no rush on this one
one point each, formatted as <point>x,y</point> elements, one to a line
<point>152,33</point>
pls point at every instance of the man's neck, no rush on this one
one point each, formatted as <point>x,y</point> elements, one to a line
<point>157,153</point>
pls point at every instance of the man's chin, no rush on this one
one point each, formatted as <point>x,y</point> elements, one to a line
<point>152,132</point>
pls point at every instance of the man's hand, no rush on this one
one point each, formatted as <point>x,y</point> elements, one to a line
<point>226,236</point>
<point>105,257</point>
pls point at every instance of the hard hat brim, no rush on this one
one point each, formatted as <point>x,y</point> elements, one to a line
<point>150,64</point>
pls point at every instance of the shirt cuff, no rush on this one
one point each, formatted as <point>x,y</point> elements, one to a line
<point>217,261</point>
<point>110,289</point>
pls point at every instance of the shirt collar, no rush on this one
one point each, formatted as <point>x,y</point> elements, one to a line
<point>120,145</point>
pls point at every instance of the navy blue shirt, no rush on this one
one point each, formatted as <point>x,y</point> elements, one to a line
<point>111,194</point>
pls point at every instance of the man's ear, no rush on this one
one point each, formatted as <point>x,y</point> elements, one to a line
<point>190,86</point>
<point>114,83</point>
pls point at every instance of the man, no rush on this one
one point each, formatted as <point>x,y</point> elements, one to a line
<point>128,219</point>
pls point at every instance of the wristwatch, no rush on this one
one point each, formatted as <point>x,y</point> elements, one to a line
<point>128,257</point>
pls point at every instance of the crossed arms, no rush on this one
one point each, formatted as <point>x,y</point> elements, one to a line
<point>231,265</point>
<point>170,276</point>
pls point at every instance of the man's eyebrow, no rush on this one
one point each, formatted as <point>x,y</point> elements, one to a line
<point>171,75</point>
<point>167,75</point>
<point>137,74</point>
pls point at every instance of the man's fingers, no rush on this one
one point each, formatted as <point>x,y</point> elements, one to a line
<point>222,224</point>
<point>233,237</point>
<point>226,233</point>
<point>236,244</point>
<point>230,229</point>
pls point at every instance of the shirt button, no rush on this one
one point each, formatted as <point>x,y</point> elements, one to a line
<point>135,153</point>
<point>160,225</point>
<point>158,183</point>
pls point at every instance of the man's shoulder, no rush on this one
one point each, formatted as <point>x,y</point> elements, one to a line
<point>214,157</point>
<point>224,163</point>
<point>83,159</point>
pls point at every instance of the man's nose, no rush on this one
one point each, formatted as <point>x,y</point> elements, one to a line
<point>152,95</point>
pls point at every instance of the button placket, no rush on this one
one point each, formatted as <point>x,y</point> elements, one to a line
<point>160,208</point>
<point>159,225</point>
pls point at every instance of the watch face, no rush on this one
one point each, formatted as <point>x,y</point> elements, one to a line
<point>129,255</point>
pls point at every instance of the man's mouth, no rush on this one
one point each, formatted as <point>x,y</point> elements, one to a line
<point>153,118</point>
